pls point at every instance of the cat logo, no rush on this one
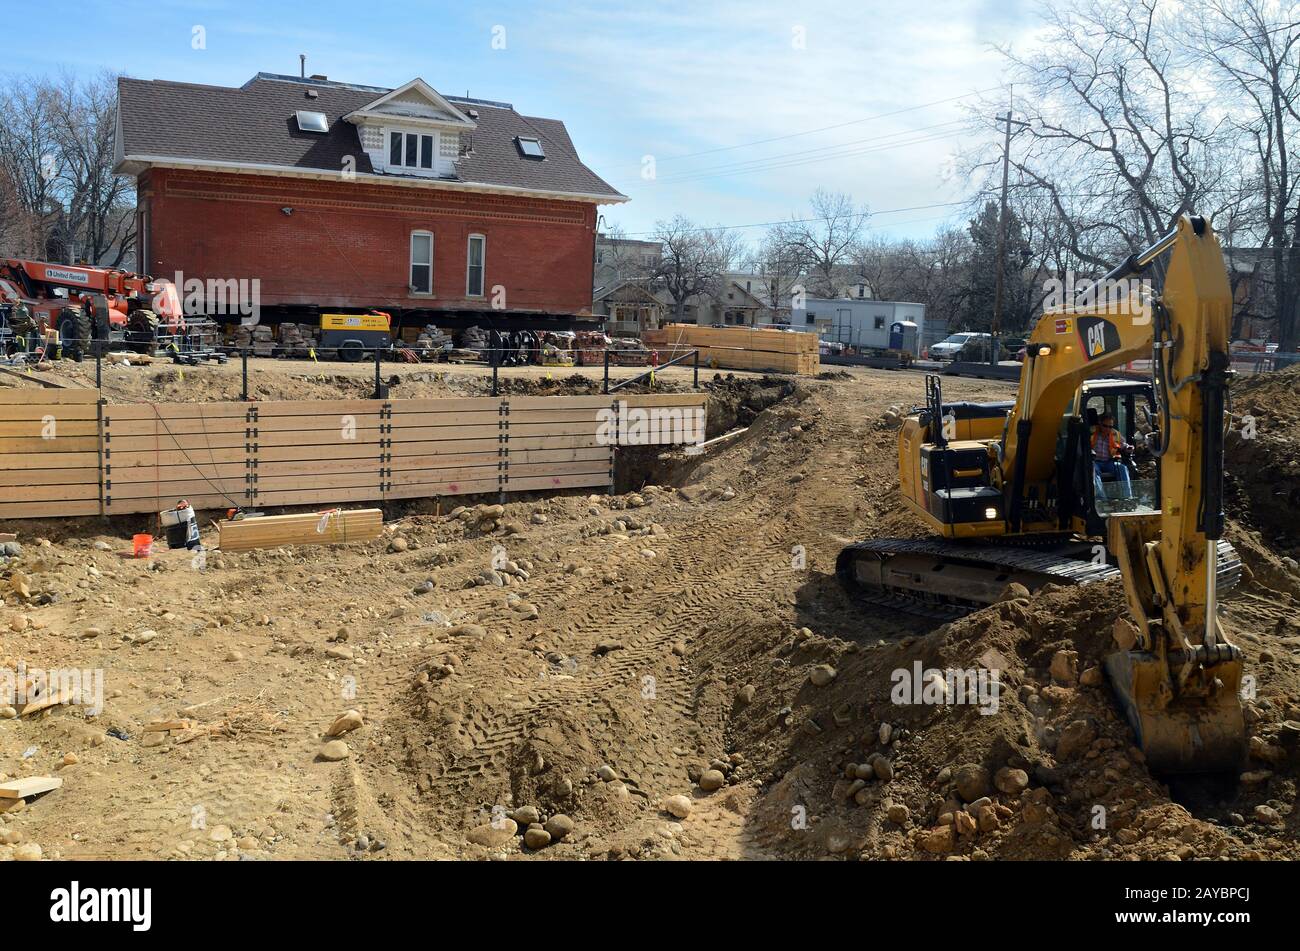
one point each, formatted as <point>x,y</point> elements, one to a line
<point>1097,336</point>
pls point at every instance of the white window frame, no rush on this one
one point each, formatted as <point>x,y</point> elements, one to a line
<point>482,277</point>
<point>412,263</point>
<point>417,134</point>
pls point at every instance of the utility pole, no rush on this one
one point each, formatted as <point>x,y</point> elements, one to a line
<point>998,291</point>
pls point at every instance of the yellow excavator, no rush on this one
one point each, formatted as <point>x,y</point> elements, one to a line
<point>1013,494</point>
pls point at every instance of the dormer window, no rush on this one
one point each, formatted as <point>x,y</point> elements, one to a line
<point>412,150</point>
<point>529,148</point>
<point>312,121</point>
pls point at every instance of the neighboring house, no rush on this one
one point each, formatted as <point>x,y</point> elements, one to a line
<point>857,288</point>
<point>336,196</point>
<point>624,259</point>
<point>629,308</point>
<point>730,306</point>
<point>857,323</point>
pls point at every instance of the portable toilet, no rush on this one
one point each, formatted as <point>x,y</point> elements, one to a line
<point>903,336</point>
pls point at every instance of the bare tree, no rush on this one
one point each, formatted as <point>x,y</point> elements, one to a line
<point>776,260</point>
<point>1255,47</point>
<point>1119,139</point>
<point>693,261</point>
<point>827,238</point>
<point>56,160</point>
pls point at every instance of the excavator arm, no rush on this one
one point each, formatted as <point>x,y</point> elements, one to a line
<point>1178,678</point>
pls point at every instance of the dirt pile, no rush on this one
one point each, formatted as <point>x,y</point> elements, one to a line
<point>1263,457</point>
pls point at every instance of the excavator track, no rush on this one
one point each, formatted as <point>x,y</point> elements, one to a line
<point>908,575</point>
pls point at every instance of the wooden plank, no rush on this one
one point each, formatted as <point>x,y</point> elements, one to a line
<point>453,487</point>
<point>50,460</point>
<point>308,529</point>
<point>647,400</point>
<point>556,482</point>
<point>57,444</point>
<point>47,509</point>
<point>51,493</point>
<point>28,786</point>
<point>59,427</point>
<point>26,395</point>
<point>60,411</point>
<point>21,477</point>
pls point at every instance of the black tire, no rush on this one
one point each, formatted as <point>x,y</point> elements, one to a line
<point>352,352</point>
<point>142,331</point>
<point>75,333</point>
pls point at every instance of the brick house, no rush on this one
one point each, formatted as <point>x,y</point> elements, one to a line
<point>336,196</point>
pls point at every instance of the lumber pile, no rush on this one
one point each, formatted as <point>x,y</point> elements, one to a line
<point>739,348</point>
<point>332,527</point>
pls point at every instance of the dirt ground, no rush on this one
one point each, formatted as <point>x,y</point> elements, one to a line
<point>671,672</point>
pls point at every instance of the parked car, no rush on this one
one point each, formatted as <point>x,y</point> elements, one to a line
<point>950,347</point>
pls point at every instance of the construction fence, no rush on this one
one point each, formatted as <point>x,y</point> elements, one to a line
<point>70,452</point>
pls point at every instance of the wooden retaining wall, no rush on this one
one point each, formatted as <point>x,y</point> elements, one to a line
<point>66,452</point>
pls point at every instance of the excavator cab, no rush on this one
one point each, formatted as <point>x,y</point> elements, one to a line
<point>1104,490</point>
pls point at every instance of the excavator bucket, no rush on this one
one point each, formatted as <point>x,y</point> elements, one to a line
<point>1183,704</point>
<point>1201,735</point>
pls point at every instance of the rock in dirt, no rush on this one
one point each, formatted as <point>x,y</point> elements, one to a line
<point>537,838</point>
<point>27,852</point>
<point>345,723</point>
<point>558,826</point>
<point>972,782</point>
<point>526,815</point>
<point>1075,739</point>
<point>821,675</point>
<point>1011,781</point>
<point>493,834</point>
<point>1065,668</point>
<point>711,780</point>
<point>679,806</point>
<point>334,750</point>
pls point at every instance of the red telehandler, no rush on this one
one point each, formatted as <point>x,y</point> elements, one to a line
<point>85,304</point>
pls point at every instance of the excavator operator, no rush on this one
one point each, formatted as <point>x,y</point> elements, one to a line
<point>1107,448</point>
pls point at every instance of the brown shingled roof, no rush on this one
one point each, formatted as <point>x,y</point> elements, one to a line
<point>255,124</point>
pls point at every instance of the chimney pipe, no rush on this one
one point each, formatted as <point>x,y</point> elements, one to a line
<point>302,65</point>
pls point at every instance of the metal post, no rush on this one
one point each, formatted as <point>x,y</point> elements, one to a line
<point>607,368</point>
<point>697,369</point>
<point>99,366</point>
<point>494,358</point>
<point>243,359</point>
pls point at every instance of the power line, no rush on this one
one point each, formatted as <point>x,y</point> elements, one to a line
<point>827,128</point>
<point>798,221</point>
<point>789,159</point>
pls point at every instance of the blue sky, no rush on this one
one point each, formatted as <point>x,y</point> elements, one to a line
<point>699,86</point>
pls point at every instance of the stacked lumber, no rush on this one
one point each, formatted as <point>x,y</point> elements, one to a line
<point>335,527</point>
<point>49,452</point>
<point>739,348</point>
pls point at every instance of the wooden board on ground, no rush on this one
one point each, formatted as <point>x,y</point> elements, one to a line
<point>28,786</point>
<point>311,528</point>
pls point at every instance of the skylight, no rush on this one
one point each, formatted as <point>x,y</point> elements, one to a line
<point>312,121</point>
<point>531,148</point>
